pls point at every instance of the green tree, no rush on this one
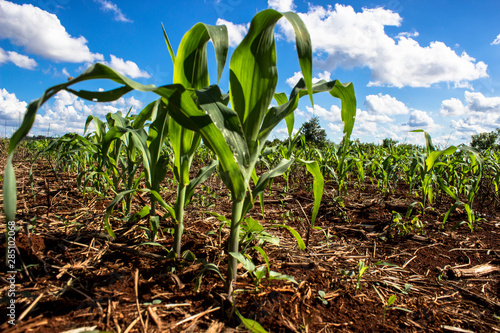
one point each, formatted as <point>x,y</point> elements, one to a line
<point>485,140</point>
<point>313,132</point>
<point>388,142</point>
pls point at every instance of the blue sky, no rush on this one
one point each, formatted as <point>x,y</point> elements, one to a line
<point>429,64</point>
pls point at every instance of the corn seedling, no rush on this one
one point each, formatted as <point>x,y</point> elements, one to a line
<point>321,297</point>
<point>427,163</point>
<point>361,270</point>
<point>469,189</point>
<point>388,304</point>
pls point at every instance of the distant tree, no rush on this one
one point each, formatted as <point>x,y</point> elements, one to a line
<point>388,142</point>
<point>313,132</point>
<point>485,140</point>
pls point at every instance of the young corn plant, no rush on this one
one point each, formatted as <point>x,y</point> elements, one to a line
<point>469,189</point>
<point>238,135</point>
<point>426,164</point>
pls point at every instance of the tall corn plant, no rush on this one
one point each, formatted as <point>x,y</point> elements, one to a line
<point>191,71</point>
<point>238,135</point>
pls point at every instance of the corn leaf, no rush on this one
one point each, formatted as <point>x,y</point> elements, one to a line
<point>318,185</point>
<point>253,71</point>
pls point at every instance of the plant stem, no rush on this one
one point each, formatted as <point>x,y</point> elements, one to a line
<point>234,242</point>
<point>179,214</point>
<point>130,182</point>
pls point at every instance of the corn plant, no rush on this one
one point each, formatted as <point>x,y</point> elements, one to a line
<point>191,71</point>
<point>468,189</point>
<point>426,164</point>
<point>238,135</point>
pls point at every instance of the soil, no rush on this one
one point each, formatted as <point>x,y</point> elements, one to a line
<point>73,275</point>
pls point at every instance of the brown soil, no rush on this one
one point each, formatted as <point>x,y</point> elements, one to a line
<point>72,275</point>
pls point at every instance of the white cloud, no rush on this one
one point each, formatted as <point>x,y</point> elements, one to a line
<point>479,114</point>
<point>452,107</point>
<point>108,6</point>
<point>421,120</point>
<point>65,72</point>
<point>292,81</point>
<point>496,41</point>
<point>364,117</point>
<point>11,109</point>
<point>282,133</point>
<point>41,33</point>
<point>128,68</point>
<point>344,38</point>
<point>334,127</point>
<point>19,60</point>
<point>333,115</point>
<point>67,113</point>
<point>408,34</point>
<point>281,5</point>
<point>476,103</point>
<point>385,104</point>
<point>236,32</point>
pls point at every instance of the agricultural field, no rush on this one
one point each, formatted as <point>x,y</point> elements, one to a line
<point>184,217</point>
<point>366,265</point>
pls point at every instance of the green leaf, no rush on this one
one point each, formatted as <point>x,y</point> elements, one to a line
<point>201,176</point>
<point>264,179</point>
<point>119,197</point>
<point>264,255</point>
<point>250,324</point>
<point>432,157</point>
<point>345,92</point>
<point>253,71</point>
<point>191,69</point>
<point>221,140</point>
<point>300,241</point>
<point>169,46</point>
<point>318,185</point>
<point>252,225</point>
<point>451,210</point>
<point>278,276</point>
<point>248,265</point>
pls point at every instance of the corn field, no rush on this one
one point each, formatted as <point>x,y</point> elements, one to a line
<point>185,216</point>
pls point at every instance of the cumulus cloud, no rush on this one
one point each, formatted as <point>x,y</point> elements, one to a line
<point>342,37</point>
<point>479,113</point>
<point>11,108</point>
<point>236,32</point>
<point>476,103</point>
<point>67,113</point>
<point>108,6</point>
<point>332,115</point>
<point>17,59</point>
<point>452,107</point>
<point>128,68</point>
<point>496,41</point>
<point>420,119</point>
<point>282,5</point>
<point>385,104</point>
<point>41,33</point>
